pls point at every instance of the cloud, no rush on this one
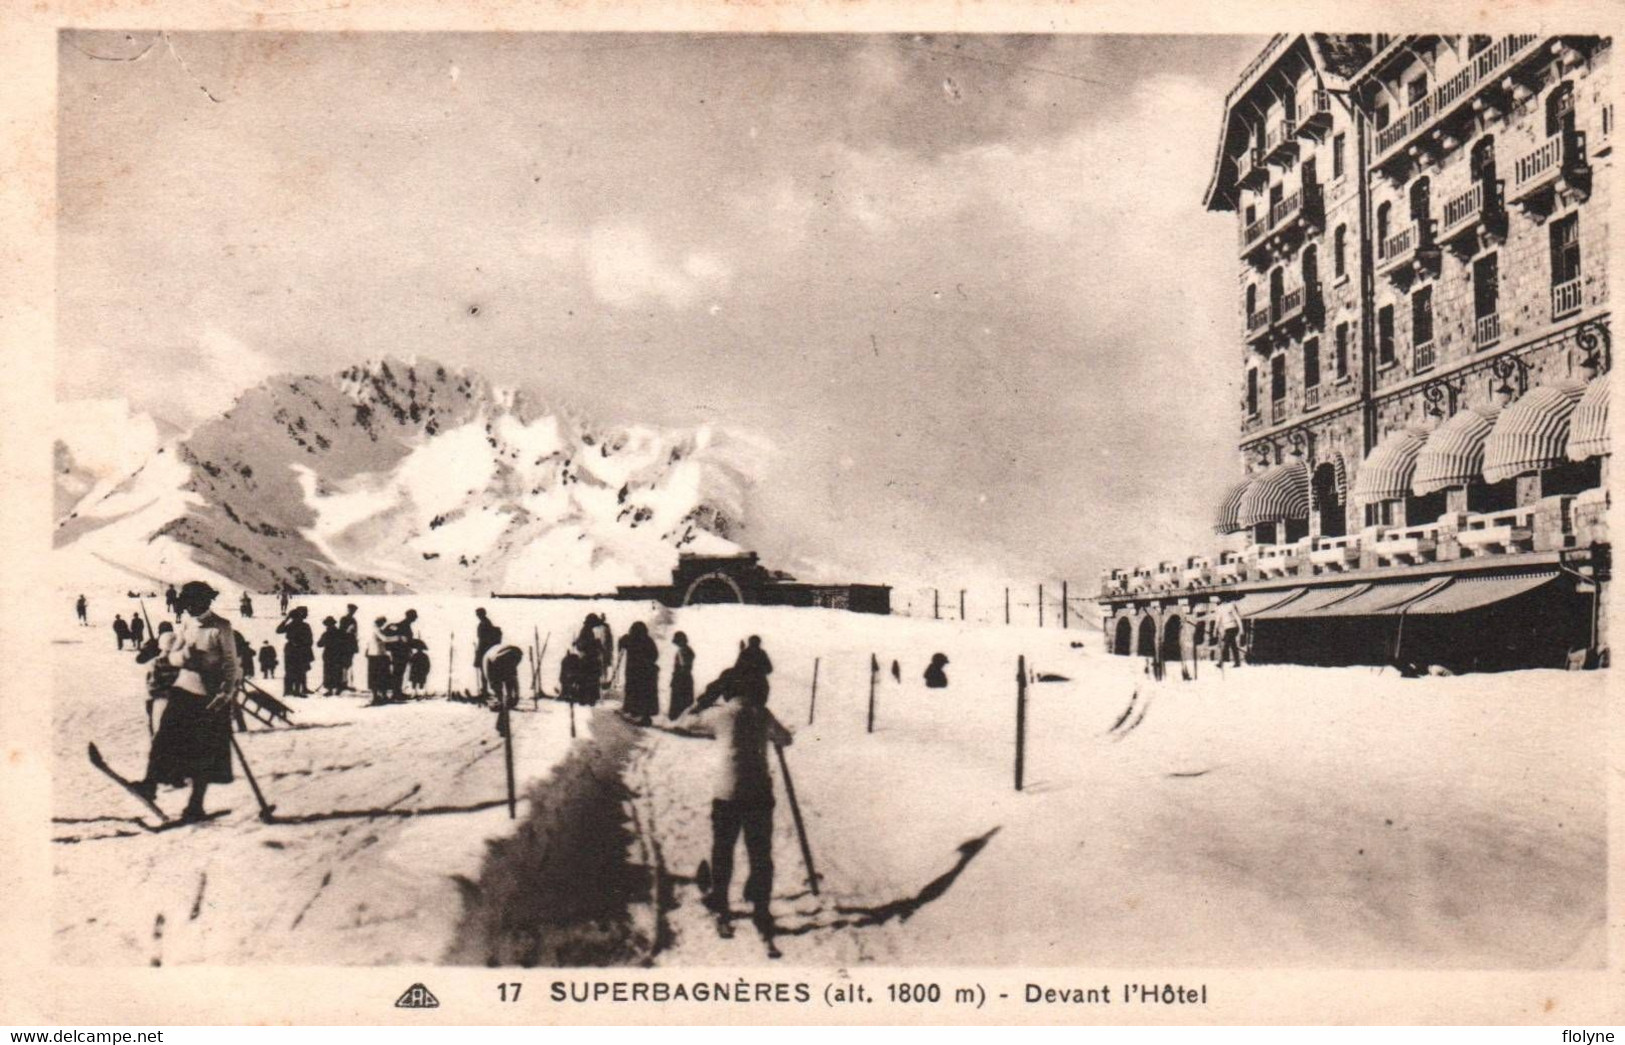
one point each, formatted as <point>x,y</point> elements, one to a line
<point>627,269</point>
<point>223,366</point>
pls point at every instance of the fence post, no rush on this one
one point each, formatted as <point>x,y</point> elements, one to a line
<point>1021,720</point>
<point>874,673</point>
<point>812,705</point>
<point>1064,606</point>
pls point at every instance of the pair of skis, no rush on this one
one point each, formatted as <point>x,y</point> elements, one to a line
<point>723,920</point>
<point>164,820</point>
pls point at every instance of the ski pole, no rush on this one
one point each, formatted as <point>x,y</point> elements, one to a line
<point>505,727</point>
<point>266,809</point>
<point>812,704</point>
<point>795,814</point>
<point>451,657</point>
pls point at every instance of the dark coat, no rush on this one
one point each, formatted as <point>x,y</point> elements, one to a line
<point>682,681</point>
<point>642,675</point>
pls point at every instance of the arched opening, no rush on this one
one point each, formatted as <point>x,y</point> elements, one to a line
<point>1421,204</point>
<point>1311,270</point>
<point>1384,216</point>
<point>1148,637</point>
<point>1252,299</point>
<point>1560,110</point>
<point>1172,634</point>
<point>1328,502</point>
<point>1481,164</point>
<point>1277,291</point>
<point>713,589</point>
<point>1123,643</point>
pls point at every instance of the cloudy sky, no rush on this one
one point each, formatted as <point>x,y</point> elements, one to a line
<point>964,284</point>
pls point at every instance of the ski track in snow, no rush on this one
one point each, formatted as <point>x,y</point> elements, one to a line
<point>1299,817</point>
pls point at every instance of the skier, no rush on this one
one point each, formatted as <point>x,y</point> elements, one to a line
<point>350,647</point>
<point>138,630</point>
<point>246,607</point>
<point>418,665</point>
<point>283,594</point>
<point>896,672</point>
<point>332,644</point>
<point>742,801</point>
<point>170,602</point>
<point>935,677</point>
<point>1228,622</point>
<point>267,661</point>
<point>752,668</point>
<point>592,659</point>
<point>501,670</point>
<point>298,652</point>
<point>642,701</point>
<point>400,635</point>
<point>606,648</point>
<point>121,630</point>
<point>193,739</point>
<point>487,637</point>
<point>571,677</point>
<point>682,677</point>
<point>378,661</point>
<point>81,609</point>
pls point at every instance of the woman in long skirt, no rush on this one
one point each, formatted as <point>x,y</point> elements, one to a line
<point>682,677</point>
<point>642,700</point>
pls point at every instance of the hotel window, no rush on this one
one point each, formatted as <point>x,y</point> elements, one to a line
<point>1338,141</point>
<point>1385,335</point>
<point>1381,116</point>
<point>1565,249</point>
<point>1560,109</point>
<point>1252,392</point>
<point>1311,363</point>
<point>1422,316</point>
<point>1340,251</point>
<point>1278,377</point>
<point>1383,214</point>
<point>1417,89</point>
<point>1486,286</point>
<point>1340,351</point>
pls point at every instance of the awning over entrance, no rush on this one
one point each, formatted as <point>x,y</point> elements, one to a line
<point>1532,433</point>
<point>1257,602</point>
<point>1388,468</point>
<point>1279,494</point>
<point>1471,593</point>
<point>1230,506</point>
<point>1313,600</point>
<point>1454,453</point>
<point>1382,599</point>
<point>1588,428</point>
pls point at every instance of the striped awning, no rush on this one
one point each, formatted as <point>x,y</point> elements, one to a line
<point>1230,506</point>
<point>1454,453</point>
<point>1279,494</point>
<point>1313,600</point>
<point>1471,593</point>
<point>1532,433</point>
<point>1387,471</point>
<point>1588,428</point>
<point>1383,600</point>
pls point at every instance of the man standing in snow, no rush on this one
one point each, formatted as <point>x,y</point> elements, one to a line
<point>351,645</point>
<point>267,661</point>
<point>1228,622</point>
<point>121,630</point>
<point>752,669</point>
<point>138,630</point>
<point>401,634</point>
<point>378,661</point>
<point>170,602</point>
<point>743,799</point>
<point>81,609</point>
<point>487,637</point>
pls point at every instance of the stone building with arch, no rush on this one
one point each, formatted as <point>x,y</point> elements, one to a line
<point>1425,356</point>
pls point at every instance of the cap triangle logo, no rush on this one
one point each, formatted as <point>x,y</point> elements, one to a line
<point>417,996</point>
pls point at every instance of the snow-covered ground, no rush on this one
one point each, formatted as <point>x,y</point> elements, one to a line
<point>1274,815</point>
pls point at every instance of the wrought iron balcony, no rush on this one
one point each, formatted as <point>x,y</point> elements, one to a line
<point>1402,252</point>
<point>1538,173</point>
<point>1253,235</point>
<point>1311,398</point>
<point>1280,141</point>
<point>1485,71</point>
<point>1566,299</point>
<point>1292,305</point>
<point>1315,116</point>
<point>1250,169</point>
<point>1277,411</point>
<point>1466,214</point>
<point>1486,330</point>
<point>1423,357</point>
<point>1258,324</point>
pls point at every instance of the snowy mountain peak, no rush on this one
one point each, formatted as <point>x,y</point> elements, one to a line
<point>411,475</point>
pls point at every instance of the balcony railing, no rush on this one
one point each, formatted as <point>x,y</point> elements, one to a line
<point>1487,330</point>
<point>1277,411</point>
<point>1258,322</point>
<point>1311,397</point>
<point>1485,68</point>
<point>1250,169</point>
<point>1315,113</point>
<point>1465,212</point>
<point>1278,139</point>
<point>1253,233</point>
<point>1283,210</point>
<point>1566,299</point>
<point>1423,357</point>
<point>1541,167</point>
<point>1291,304</point>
